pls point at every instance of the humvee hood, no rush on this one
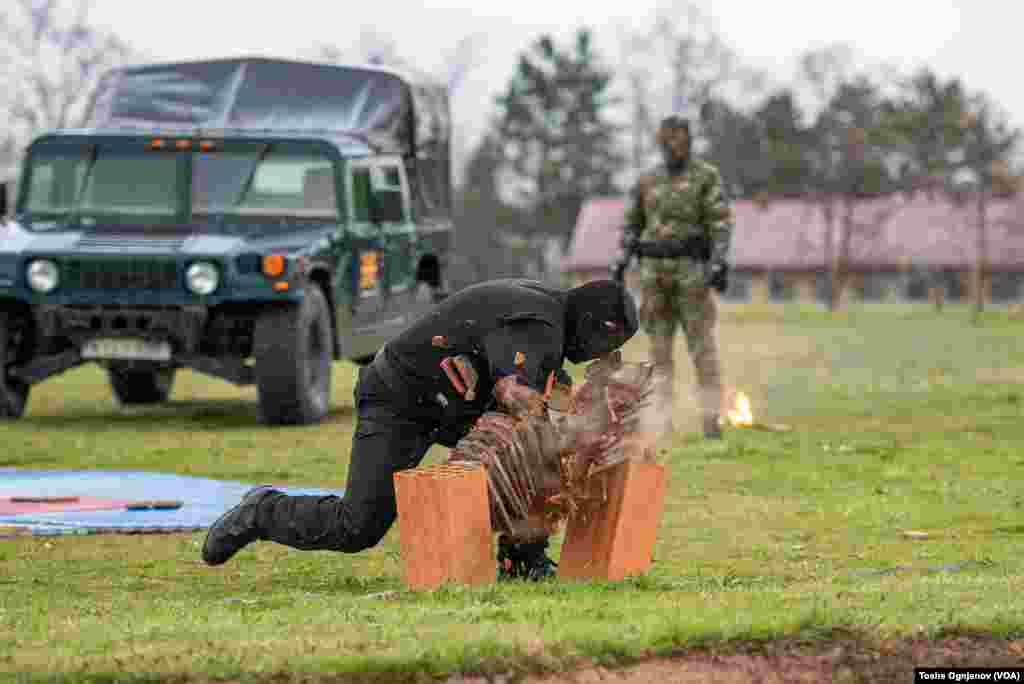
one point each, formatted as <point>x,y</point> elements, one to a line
<point>15,240</point>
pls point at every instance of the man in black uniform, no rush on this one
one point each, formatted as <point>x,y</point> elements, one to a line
<point>412,396</point>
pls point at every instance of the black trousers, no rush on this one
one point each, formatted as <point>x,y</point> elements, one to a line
<point>388,438</point>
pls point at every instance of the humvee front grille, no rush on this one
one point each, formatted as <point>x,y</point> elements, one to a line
<point>121,244</point>
<point>129,274</point>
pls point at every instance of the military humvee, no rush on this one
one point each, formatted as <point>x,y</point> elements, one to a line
<point>250,219</point>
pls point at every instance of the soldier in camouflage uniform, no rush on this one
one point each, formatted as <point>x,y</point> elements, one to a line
<point>684,200</point>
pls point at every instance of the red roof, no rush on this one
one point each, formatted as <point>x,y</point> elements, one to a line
<point>788,234</point>
<point>595,240</point>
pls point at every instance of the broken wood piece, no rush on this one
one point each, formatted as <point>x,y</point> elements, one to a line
<point>613,536</point>
<point>154,505</point>
<point>444,524</point>
<point>916,534</point>
<point>549,385</point>
<point>771,427</point>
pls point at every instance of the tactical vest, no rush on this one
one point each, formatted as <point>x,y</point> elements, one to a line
<point>672,204</point>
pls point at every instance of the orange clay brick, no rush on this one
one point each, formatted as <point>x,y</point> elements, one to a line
<point>444,525</point>
<point>615,539</point>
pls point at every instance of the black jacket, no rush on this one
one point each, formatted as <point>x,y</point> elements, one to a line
<point>489,322</point>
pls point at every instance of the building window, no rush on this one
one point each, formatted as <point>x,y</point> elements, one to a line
<point>739,287</point>
<point>948,281</point>
<point>917,284</point>
<point>874,287</point>
<point>823,286</point>
<point>1006,287</point>
<point>779,287</point>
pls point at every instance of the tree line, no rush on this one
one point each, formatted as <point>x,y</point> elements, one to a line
<point>570,124</point>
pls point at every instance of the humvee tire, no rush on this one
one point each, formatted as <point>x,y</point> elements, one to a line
<point>13,392</point>
<point>293,349</point>
<point>140,386</point>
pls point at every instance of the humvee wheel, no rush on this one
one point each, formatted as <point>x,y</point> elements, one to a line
<point>293,350</point>
<point>140,386</point>
<point>13,392</point>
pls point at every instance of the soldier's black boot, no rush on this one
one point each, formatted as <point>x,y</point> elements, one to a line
<point>712,427</point>
<point>237,528</point>
<point>524,561</point>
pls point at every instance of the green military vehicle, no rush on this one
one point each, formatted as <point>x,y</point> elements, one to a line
<point>250,219</point>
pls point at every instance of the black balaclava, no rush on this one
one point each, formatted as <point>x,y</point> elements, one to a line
<point>600,318</point>
<point>675,143</point>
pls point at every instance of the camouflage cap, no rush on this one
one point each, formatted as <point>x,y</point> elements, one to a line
<point>675,122</point>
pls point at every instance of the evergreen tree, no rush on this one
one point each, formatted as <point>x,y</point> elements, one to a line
<point>480,218</point>
<point>764,153</point>
<point>735,145</point>
<point>786,144</point>
<point>557,143</point>
<point>927,118</point>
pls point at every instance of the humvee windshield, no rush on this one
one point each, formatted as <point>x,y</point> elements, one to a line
<point>137,183</point>
<point>85,181</point>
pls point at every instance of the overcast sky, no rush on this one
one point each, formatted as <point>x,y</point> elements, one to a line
<point>978,41</point>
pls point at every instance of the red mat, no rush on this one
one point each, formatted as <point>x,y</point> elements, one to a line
<point>17,505</point>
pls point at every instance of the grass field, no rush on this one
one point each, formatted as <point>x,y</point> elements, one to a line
<point>903,420</point>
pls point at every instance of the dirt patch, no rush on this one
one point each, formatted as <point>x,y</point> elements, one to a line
<point>841,659</point>
<point>844,659</point>
<point>1009,375</point>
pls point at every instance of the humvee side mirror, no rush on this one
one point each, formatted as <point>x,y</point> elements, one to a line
<point>3,200</point>
<point>386,206</point>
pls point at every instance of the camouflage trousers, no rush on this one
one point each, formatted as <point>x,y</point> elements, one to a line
<point>667,306</point>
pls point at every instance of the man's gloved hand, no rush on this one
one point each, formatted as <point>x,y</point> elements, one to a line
<point>628,241</point>
<point>717,276</point>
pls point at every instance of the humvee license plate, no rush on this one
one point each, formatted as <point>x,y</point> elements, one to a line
<point>127,349</point>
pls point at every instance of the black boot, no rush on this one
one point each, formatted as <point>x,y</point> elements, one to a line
<point>712,427</point>
<point>237,528</point>
<point>524,561</point>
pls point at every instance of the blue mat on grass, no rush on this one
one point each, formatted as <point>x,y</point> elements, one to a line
<point>203,500</point>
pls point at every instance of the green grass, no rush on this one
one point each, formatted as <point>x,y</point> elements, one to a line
<point>902,420</point>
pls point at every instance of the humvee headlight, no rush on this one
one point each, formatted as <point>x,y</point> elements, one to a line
<point>43,275</point>
<point>202,278</point>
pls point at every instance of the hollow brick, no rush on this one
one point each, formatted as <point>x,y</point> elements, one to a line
<point>615,538</point>
<point>444,525</point>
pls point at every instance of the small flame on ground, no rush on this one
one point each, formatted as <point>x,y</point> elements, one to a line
<point>742,415</point>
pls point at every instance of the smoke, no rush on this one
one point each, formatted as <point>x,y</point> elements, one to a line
<point>539,462</point>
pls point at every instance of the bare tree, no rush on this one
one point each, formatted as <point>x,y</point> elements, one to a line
<point>678,65</point>
<point>372,47</point>
<point>987,144</point>
<point>51,57</point>
<point>823,71</point>
<point>636,74</point>
<point>699,61</point>
<point>851,146</point>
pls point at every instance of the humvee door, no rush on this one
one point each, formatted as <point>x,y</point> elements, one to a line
<point>382,254</point>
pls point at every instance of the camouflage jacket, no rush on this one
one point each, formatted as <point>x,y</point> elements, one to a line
<point>678,206</point>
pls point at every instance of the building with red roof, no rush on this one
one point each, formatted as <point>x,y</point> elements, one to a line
<point>900,247</point>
